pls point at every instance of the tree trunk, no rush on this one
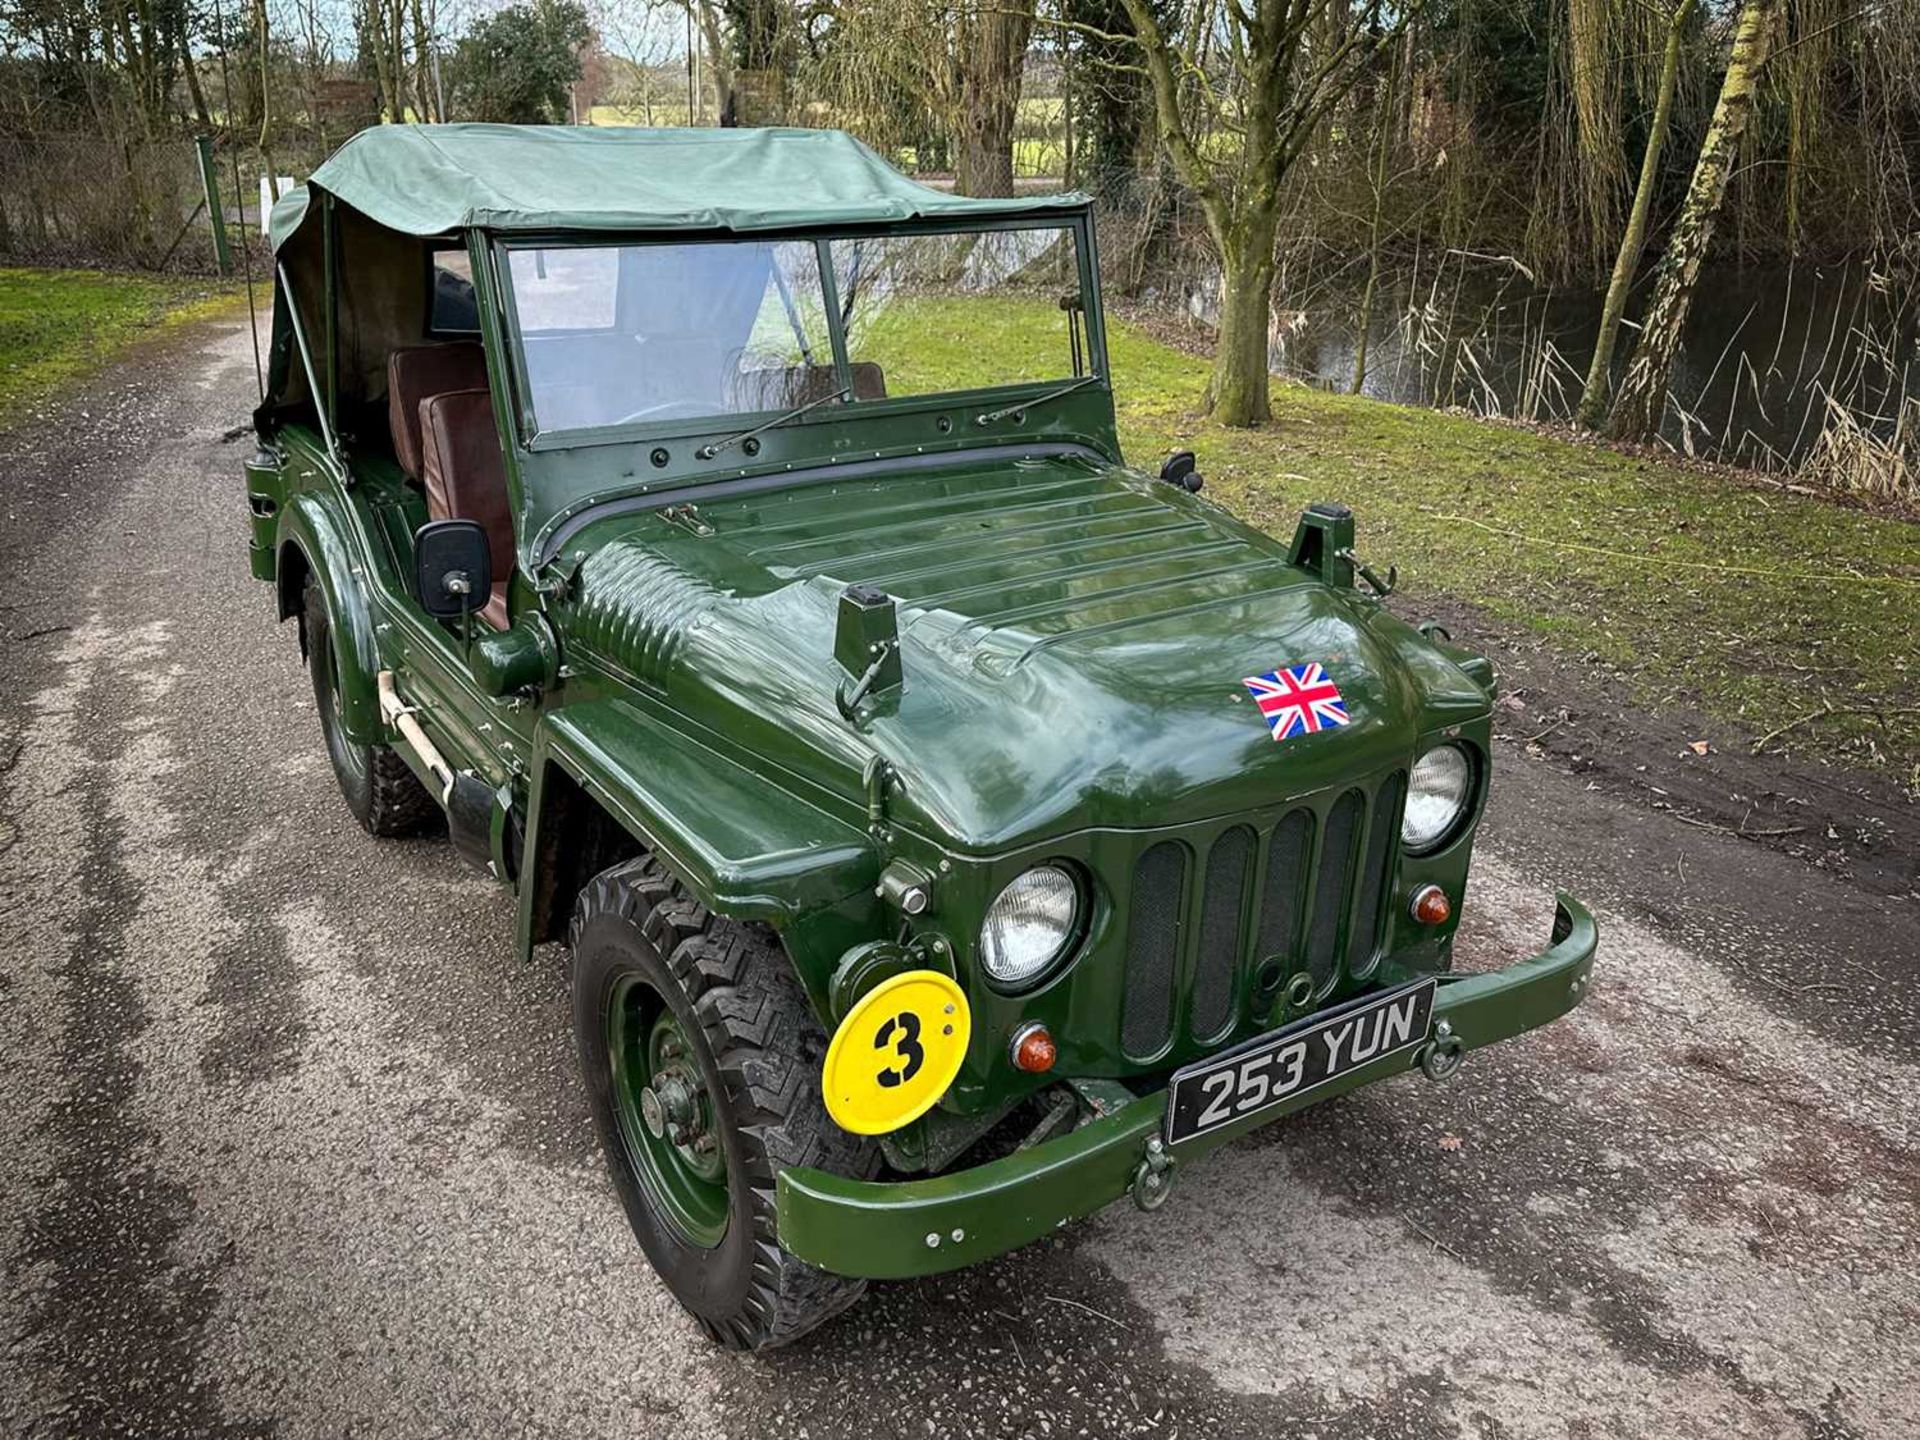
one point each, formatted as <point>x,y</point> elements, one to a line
<point>994,56</point>
<point>719,64</point>
<point>1378,179</point>
<point>373,41</point>
<point>397,58</point>
<point>263,38</point>
<point>202,115</point>
<point>1643,393</point>
<point>1593,400</point>
<point>1238,391</point>
<point>422,53</point>
<point>266,109</point>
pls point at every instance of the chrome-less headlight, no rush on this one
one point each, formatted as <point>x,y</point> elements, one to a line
<point>1029,924</point>
<point>1438,791</point>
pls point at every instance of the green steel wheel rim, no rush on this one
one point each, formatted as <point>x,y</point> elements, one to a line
<point>352,755</point>
<point>665,1114</point>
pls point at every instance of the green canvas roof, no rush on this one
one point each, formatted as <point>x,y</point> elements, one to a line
<point>432,179</point>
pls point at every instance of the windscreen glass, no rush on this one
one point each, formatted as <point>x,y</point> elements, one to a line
<point>620,335</point>
<point>965,311</point>
<point>636,334</point>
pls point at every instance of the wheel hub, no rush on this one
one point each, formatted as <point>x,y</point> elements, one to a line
<point>666,1113</point>
<point>670,1106</point>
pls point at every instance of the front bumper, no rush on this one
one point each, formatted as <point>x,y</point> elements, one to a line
<point>893,1230</point>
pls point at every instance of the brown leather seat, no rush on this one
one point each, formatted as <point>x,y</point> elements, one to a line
<point>419,372</point>
<point>782,386</point>
<point>466,479</point>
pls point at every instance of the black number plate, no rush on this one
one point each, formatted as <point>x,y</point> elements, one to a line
<point>1287,1063</point>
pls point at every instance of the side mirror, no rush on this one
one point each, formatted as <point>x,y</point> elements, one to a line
<point>452,568</point>
<point>1178,469</point>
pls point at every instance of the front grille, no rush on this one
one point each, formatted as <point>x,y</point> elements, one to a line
<point>1333,888</point>
<point>1229,864</point>
<point>1306,895</point>
<point>1382,838</point>
<point>1287,851</point>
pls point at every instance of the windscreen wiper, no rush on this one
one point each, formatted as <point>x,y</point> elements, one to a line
<point>992,415</point>
<point>707,452</point>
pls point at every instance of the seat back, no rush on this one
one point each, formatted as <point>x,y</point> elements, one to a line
<point>462,470</point>
<point>780,387</point>
<point>419,372</point>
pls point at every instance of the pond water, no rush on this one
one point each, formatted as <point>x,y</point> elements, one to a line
<point>1765,350</point>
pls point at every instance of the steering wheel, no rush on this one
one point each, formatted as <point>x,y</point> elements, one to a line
<point>665,410</point>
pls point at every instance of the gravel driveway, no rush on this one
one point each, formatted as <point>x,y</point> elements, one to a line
<point>292,1142</point>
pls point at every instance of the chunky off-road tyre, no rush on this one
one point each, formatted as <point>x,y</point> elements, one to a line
<point>378,787</point>
<point>702,1066</point>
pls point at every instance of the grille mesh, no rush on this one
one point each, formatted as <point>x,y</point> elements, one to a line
<point>1364,949</point>
<point>1227,866</point>
<point>1286,869</point>
<point>1153,949</point>
<point>1333,889</point>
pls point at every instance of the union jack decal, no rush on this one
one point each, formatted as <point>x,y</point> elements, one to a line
<point>1298,700</point>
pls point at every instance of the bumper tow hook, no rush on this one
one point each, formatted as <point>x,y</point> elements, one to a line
<point>1153,1177</point>
<point>1441,1055</point>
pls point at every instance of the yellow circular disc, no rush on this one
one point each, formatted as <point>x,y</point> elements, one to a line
<point>896,1052</point>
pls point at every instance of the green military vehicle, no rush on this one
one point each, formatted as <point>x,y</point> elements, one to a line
<point>954,829</point>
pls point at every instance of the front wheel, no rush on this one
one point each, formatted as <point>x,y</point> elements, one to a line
<point>374,781</point>
<point>701,1059</point>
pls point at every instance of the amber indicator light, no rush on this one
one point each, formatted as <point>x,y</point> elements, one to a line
<point>1034,1050</point>
<point>1431,906</point>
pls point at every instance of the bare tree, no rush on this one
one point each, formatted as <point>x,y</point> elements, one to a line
<point>641,52</point>
<point>716,38</point>
<point>1266,72</point>
<point>1593,399</point>
<point>1643,393</point>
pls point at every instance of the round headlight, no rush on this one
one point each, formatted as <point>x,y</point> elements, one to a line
<point>1029,924</point>
<point>1437,794</point>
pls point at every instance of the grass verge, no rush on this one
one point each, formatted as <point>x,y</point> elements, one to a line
<point>1759,606</point>
<point>57,325</point>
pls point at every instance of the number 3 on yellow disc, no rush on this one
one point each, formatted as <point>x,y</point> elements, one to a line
<point>896,1052</point>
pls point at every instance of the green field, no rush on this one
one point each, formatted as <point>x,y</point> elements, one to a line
<point>1757,604</point>
<point>57,325</point>
<point>1039,147</point>
<point>667,114</point>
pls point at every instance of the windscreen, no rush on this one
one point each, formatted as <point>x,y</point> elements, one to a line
<point>969,311</point>
<point>620,335</point>
<point>632,334</point>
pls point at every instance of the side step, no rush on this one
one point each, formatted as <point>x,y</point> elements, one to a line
<point>468,800</point>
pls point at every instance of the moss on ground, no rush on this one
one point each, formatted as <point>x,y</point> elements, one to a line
<point>1758,605</point>
<point>57,325</point>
